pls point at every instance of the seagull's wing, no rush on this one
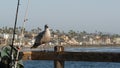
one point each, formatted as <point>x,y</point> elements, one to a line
<point>38,40</point>
<point>39,36</point>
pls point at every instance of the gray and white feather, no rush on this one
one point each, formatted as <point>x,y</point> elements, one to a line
<point>43,37</point>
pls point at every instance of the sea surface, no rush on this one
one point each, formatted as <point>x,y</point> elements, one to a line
<point>77,64</point>
<point>70,64</point>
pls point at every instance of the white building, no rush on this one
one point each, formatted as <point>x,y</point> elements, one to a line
<point>117,40</point>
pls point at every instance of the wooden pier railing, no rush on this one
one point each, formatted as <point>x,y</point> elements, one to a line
<point>59,56</point>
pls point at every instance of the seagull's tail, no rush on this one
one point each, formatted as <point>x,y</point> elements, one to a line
<point>35,45</point>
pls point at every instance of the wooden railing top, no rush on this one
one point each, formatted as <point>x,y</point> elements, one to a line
<point>59,54</point>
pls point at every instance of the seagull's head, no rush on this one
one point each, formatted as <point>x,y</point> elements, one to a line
<point>46,26</point>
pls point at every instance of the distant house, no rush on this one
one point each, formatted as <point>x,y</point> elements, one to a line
<point>11,36</point>
<point>2,41</point>
<point>116,40</point>
<point>65,38</point>
<point>5,36</point>
<point>108,41</point>
<point>73,42</point>
<point>91,41</point>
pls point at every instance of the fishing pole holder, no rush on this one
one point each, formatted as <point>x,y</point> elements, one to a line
<point>5,56</point>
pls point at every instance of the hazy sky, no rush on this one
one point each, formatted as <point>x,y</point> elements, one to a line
<point>78,15</point>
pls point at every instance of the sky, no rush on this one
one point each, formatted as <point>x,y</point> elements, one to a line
<point>64,15</point>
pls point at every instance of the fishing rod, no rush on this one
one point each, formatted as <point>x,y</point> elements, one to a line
<point>12,45</point>
<point>22,33</point>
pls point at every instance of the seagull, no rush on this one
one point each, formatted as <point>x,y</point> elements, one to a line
<point>43,37</point>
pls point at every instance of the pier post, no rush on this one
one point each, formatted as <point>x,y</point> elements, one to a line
<point>58,63</point>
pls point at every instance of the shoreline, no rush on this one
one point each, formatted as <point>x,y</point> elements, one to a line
<point>65,46</point>
<point>101,45</point>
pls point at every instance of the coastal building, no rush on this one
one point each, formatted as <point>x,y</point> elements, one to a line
<point>2,41</point>
<point>116,40</point>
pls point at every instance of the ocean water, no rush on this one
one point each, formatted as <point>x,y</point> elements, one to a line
<point>94,49</point>
<point>77,64</point>
<point>70,64</point>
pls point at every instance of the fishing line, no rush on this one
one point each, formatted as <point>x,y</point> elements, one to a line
<point>22,33</point>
